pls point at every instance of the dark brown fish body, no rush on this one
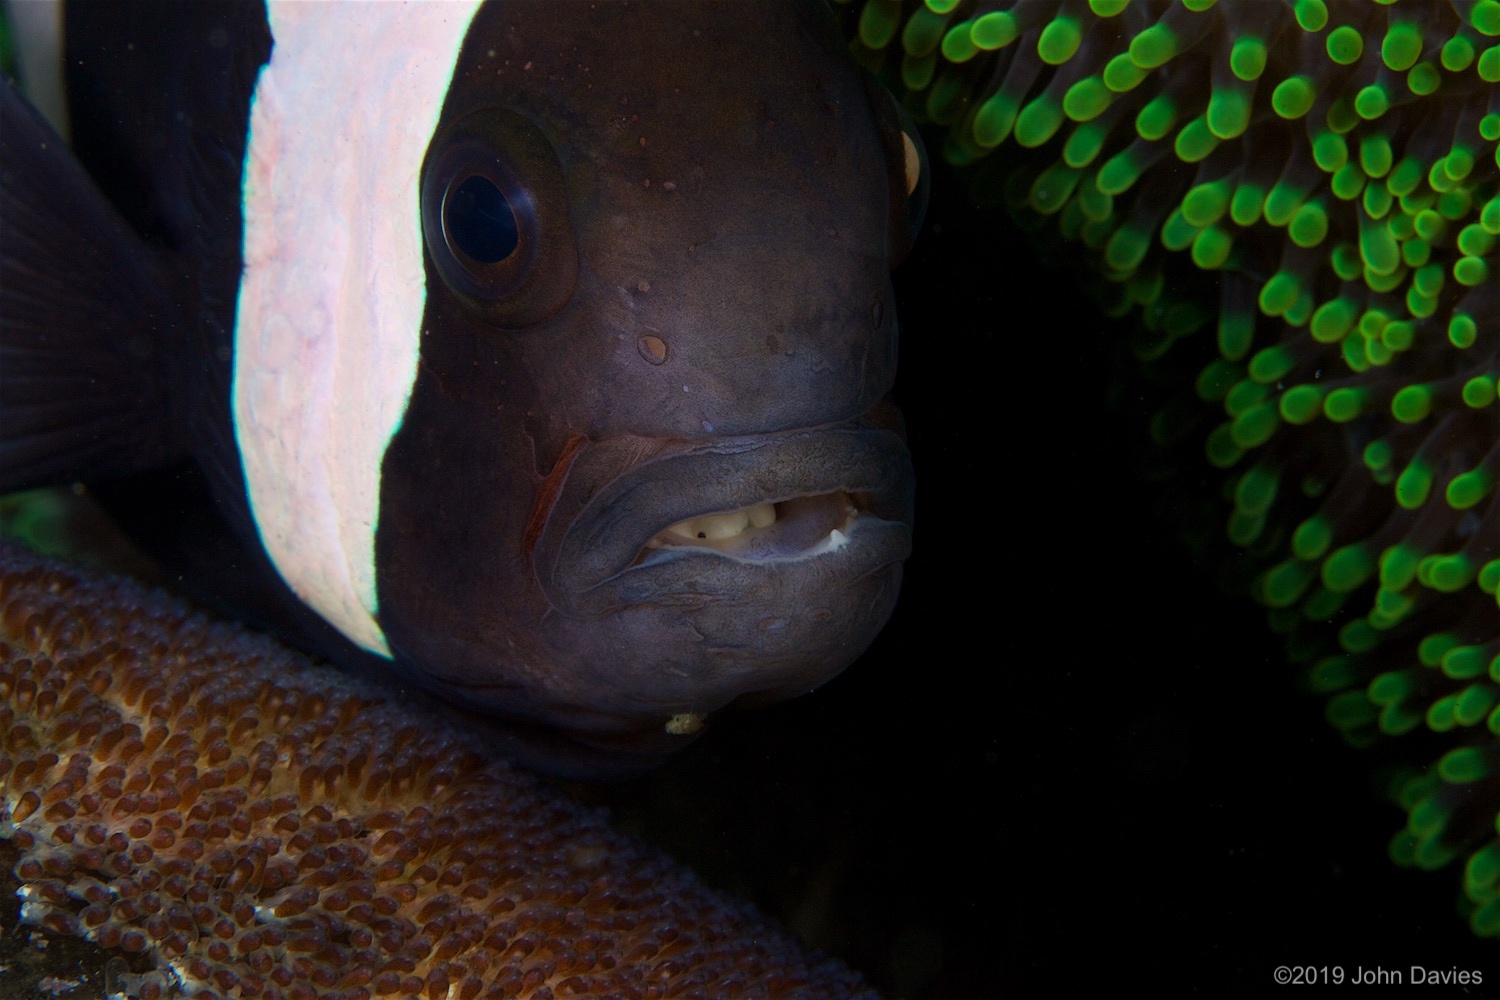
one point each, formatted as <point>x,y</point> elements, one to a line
<point>640,466</point>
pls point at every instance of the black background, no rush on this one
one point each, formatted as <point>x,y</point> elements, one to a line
<point>1070,760</point>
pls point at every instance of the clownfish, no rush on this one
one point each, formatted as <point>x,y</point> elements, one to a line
<point>538,352</point>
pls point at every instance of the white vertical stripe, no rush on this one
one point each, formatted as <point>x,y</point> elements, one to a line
<point>330,305</point>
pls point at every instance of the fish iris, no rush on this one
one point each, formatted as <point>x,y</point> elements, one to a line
<point>478,221</point>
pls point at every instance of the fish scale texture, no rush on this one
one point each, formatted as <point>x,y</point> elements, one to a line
<point>266,828</point>
<point>1300,201</point>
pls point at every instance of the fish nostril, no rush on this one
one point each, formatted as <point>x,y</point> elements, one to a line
<point>653,349</point>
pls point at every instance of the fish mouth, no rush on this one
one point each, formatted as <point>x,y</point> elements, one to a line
<point>798,528</point>
<point>684,522</point>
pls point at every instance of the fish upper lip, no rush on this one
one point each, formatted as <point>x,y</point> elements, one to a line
<point>621,492</point>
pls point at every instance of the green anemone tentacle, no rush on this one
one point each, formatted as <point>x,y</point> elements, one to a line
<point>1330,171</point>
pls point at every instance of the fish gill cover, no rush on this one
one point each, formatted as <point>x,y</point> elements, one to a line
<point>1328,171</point>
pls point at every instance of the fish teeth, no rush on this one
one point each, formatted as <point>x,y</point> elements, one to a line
<point>722,527</point>
<point>780,531</point>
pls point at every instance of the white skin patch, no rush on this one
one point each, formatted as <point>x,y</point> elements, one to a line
<point>330,304</point>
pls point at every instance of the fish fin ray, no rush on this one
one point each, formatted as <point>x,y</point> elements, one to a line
<point>84,320</point>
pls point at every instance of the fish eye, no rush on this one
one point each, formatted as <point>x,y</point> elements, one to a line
<point>495,220</point>
<point>478,221</point>
<point>907,165</point>
<point>917,173</point>
<point>912,180</point>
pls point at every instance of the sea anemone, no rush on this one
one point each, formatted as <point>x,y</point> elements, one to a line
<point>265,828</point>
<point>1328,171</point>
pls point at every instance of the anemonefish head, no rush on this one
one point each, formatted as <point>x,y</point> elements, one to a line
<point>562,346</point>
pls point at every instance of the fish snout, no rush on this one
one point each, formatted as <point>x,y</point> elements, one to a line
<point>710,572</point>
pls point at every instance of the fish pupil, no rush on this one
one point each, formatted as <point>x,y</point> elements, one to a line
<point>479,221</point>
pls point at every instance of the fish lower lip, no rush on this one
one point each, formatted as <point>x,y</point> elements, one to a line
<point>793,528</point>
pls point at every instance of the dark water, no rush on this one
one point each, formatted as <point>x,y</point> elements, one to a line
<point>1070,759</point>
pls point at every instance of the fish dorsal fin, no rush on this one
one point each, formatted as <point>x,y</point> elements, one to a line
<point>84,316</point>
<point>119,278</point>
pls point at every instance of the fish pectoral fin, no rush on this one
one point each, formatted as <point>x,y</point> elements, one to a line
<point>84,320</point>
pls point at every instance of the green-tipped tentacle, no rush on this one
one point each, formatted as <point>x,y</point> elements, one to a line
<point>1332,168</point>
